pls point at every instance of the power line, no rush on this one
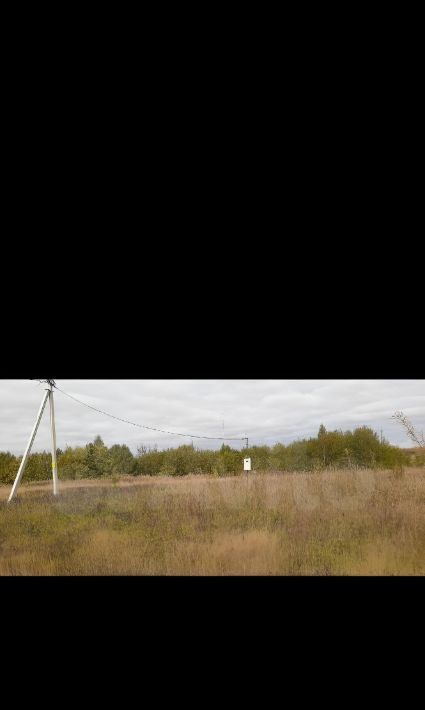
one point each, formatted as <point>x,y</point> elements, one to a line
<point>142,426</point>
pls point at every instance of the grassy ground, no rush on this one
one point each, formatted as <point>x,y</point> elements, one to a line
<point>330,523</point>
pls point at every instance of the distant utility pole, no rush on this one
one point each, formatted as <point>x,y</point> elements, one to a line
<point>48,396</point>
<point>222,422</point>
<point>246,440</point>
<point>381,436</point>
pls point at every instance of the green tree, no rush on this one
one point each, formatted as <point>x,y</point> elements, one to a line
<point>39,467</point>
<point>121,460</point>
<point>98,460</point>
<point>72,463</point>
<point>366,446</point>
<point>9,465</point>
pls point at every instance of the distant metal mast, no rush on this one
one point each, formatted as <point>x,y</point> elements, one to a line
<point>47,396</point>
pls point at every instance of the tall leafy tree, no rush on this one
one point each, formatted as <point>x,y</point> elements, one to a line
<point>122,461</point>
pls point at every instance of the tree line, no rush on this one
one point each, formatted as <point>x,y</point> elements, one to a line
<point>359,448</point>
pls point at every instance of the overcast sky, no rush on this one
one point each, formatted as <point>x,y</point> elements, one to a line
<point>267,411</point>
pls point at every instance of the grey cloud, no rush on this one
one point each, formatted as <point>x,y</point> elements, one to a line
<point>265,410</point>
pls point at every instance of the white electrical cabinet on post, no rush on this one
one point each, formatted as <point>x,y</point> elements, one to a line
<point>247,464</point>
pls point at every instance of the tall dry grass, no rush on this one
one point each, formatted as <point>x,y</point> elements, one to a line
<point>330,523</point>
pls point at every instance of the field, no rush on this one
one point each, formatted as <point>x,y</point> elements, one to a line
<point>368,522</point>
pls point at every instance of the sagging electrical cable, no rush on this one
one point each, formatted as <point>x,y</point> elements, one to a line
<point>143,426</point>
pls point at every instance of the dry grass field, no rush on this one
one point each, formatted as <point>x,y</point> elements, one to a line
<point>331,523</point>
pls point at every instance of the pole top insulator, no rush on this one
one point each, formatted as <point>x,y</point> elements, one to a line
<point>51,383</point>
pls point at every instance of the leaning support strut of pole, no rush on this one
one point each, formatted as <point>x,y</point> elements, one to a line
<point>47,396</point>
